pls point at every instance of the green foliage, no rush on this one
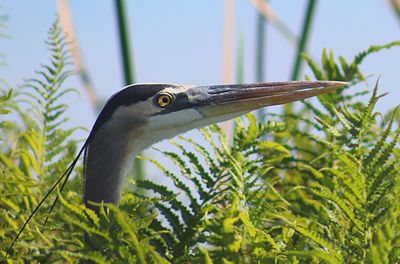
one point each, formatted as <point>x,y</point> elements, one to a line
<point>36,150</point>
<point>317,186</point>
<point>343,71</point>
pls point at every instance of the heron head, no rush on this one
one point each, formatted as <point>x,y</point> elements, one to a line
<point>158,111</point>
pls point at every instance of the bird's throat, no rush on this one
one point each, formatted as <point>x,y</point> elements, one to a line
<point>107,160</point>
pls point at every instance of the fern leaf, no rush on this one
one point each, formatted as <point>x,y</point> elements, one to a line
<point>318,73</point>
<point>311,235</point>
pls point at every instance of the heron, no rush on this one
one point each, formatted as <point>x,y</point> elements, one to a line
<point>140,115</point>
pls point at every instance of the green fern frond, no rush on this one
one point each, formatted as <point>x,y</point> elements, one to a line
<point>170,198</point>
<point>157,188</point>
<point>381,179</point>
<point>385,153</point>
<point>330,70</point>
<point>378,148</point>
<point>341,203</point>
<point>6,96</point>
<point>359,58</point>
<point>354,186</point>
<point>47,90</point>
<point>194,161</point>
<point>178,183</point>
<point>313,255</point>
<point>214,168</point>
<point>318,239</point>
<point>172,218</point>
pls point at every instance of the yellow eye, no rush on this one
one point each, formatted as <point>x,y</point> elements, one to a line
<point>164,99</point>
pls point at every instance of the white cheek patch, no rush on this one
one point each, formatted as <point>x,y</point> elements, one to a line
<point>166,126</point>
<point>173,120</point>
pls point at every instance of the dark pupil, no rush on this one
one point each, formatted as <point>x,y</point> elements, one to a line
<point>165,100</point>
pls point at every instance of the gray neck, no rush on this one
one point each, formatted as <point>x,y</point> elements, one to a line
<point>114,145</point>
<point>107,159</point>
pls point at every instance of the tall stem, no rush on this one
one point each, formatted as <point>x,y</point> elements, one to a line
<point>125,46</point>
<point>126,57</point>
<point>240,60</point>
<point>260,53</point>
<point>302,45</point>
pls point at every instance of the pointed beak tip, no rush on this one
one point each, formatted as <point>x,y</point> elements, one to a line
<point>337,84</point>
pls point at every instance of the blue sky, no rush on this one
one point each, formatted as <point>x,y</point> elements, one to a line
<point>181,42</point>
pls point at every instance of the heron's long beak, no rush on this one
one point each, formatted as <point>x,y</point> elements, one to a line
<point>240,98</point>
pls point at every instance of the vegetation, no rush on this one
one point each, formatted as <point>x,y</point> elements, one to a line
<point>319,185</point>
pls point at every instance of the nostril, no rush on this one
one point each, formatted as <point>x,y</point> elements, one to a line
<point>219,90</point>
